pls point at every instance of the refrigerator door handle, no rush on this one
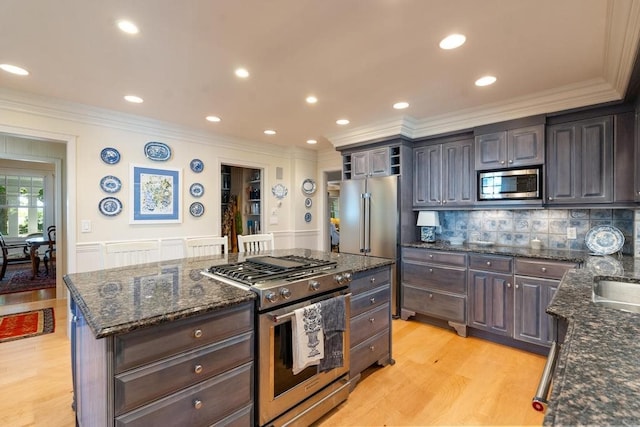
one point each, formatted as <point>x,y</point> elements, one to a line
<point>366,226</point>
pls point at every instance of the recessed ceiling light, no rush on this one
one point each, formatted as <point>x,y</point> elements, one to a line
<point>311,99</point>
<point>13,69</point>
<point>128,27</point>
<point>342,122</point>
<point>214,119</point>
<point>242,73</point>
<point>269,132</point>
<point>401,105</point>
<point>485,81</point>
<point>134,99</point>
<point>311,141</point>
<point>452,41</point>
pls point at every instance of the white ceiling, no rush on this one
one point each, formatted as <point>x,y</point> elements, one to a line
<point>357,56</point>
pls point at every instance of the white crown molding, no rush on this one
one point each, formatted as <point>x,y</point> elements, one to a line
<point>27,103</point>
<point>621,44</point>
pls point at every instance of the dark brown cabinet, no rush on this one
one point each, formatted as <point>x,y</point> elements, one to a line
<point>580,162</point>
<point>511,148</point>
<point>443,175</point>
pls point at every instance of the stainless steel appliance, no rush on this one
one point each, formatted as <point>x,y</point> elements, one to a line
<point>512,184</point>
<point>369,222</point>
<point>284,284</point>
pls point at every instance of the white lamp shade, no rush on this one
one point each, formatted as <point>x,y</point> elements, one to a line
<point>428,219</point>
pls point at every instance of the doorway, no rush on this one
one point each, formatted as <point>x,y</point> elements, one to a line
<point>333,209</point>
<point>241,202</point>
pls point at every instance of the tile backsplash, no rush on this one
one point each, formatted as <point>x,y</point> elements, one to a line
<point>518,227</point>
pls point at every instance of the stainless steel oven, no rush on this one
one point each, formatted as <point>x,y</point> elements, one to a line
<point>510,184</point>
<point>285,398</point>
<point>285,284</point>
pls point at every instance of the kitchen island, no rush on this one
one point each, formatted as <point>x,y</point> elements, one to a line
<point>140,334</point>
<point>597,380</point>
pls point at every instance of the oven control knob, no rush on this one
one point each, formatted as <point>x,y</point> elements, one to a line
<point>285,293</point>
<point>347,276</point>
<point>314,285</point>
<point>271,296</point>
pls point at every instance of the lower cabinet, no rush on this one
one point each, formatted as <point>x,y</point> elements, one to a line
<point>370,322</point>
<point>197,371</point>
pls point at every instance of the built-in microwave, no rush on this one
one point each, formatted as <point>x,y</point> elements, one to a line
<point>510,184</point>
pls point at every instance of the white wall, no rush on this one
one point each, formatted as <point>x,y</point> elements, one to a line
<point>92,129</point>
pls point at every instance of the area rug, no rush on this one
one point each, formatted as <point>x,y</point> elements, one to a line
<point>19,280</point>
<point>27,324</point>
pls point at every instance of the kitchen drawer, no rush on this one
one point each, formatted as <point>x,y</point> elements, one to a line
<point>240,418</point>
<point>219,397</point>
<point>364,282</point>
<point>436,304</point>
<point>137,387</point>
<point>369,300</point>
<point>499,264</point>
<point>150,344</point>
<point>456,259</point>
<point>369,323</point>
<point>542,268</point>
<point>369,352</point>
<point>433,277</point>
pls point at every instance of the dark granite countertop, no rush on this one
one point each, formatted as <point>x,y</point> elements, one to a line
<point>550,254</point>
<point>119,300</point>
<point>597,379</point>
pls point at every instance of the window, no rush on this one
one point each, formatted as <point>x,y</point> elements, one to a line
<point>21,205</point>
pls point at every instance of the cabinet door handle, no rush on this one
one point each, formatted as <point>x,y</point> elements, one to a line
<point>444,202</point>
<point>550,198</point>
<point>502,162</point>
<point>489,263</point>
<point>510,161</point>
<point>197,333</point>
<point>197,369</point>
<point>508,285</point>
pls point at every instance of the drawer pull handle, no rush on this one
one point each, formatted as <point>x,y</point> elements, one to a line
<point>372,320</point>
<point>372,280</point>
<point>431,270</point>
<point>372,348</point>
<point>197,403</point>
<point>198,369</point>
<point>430,295</point>
<point>430,256</point>
<point>488,262</point>
<point>373,300</point>
<point>543,269</point>
<point>197,333</point>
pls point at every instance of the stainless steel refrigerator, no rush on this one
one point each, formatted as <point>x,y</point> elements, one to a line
<point>369,222</point>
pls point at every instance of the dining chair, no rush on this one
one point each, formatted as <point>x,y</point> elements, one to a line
<point>255,243</point>
<point>206,245</point>
<point>120,254</point>
<point>50,252</point>
<point>9,255</point>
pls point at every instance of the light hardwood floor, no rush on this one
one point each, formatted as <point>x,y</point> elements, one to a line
<point>438,379</point>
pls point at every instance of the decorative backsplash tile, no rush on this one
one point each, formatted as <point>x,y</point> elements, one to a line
<point>518,227</point>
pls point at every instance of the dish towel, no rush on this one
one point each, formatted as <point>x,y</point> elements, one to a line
<point>334,324</point>
<point>308,337</point>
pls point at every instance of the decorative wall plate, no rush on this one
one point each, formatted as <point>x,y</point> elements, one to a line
<point>307,217</point>
<point>157,151</point>
<point>307,203</point>
<point>604,240</point>
<point>308,186</point>
<point>110,184</point>
<point>196,209</point>
<point>110,155</point>
<point>196,165</point>
<point>196,189</point>
<point>110,206</point>
<point>279,191</point>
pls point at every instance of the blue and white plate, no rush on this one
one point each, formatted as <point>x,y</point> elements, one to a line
<point>604,240</point>
<point>110,155</point>
<point>196,209</point>
<point>110,206</point>
<point>196,189</point>
<point>308,186</point>
<point>196,165</point>
<point>307,217</point>
<point>157,151</point>
<point>110,184</point>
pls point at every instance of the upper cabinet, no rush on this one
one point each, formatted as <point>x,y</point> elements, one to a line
<point>580,162</point>
<point>443,175</point>
<point>510,148</point>
<point>381,161</point>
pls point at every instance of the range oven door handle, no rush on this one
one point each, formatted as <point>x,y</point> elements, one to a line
<point>542,393</point>
<point>282,317</point>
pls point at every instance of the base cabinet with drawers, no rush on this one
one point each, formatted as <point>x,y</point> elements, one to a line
<point>434,283</point>
<point>370,321</point>
<point>197,371</point>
